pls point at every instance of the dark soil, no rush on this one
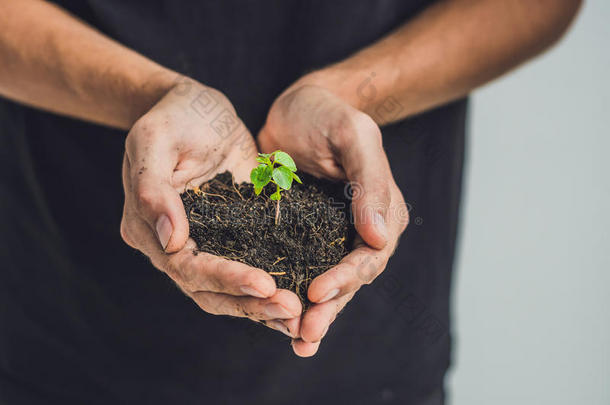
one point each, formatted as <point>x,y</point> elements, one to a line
<point>314,233</point>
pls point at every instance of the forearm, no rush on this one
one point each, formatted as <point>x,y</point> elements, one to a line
<point>53,61</point>
<point>448,50</point>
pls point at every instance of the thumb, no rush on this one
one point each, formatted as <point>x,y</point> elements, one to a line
<point>368,171</point>
<point>370,200</point>
<point>160,205</point>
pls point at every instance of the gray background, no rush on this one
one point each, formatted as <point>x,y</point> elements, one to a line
<point>532,293</point>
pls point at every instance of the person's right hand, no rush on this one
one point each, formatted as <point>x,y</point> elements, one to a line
<point>188,137</point>
<point>329,138</point>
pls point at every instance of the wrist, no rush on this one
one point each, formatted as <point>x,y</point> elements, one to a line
<point>362,89</point>
<point>342,82</point>
<point>150,90</point>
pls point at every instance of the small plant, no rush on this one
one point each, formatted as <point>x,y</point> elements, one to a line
<point>277,168</point>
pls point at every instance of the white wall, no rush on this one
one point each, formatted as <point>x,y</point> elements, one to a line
<point>532,296</point>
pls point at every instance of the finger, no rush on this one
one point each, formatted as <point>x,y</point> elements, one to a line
<point>242,157</point>
<point>315,324</point>
<point>361,266</point>
<point>201,271</point>
<point>294,326</point>
<point>283,305</point>
<point>304,349</point>
<point>367,168</point>
<point>137,233</point>
<point>289,327</point>
<point>206,272</point>
<point>318,318</point>
<point>147,179</point>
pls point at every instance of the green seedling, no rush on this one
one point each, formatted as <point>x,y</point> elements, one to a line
<point>277,168</point>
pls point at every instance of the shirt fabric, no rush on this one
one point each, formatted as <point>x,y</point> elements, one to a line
<point>85,319</point>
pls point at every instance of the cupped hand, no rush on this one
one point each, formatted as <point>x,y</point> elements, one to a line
<point>329,138</point>
<point>188,137</point>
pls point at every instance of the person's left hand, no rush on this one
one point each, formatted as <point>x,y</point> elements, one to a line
<point>329,138</point>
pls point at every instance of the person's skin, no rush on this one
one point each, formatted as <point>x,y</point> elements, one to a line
<point>451,48</point>
<point>329,138</point>
<point>174,146</point>
<point>325,119</point>
<point>52,61</point>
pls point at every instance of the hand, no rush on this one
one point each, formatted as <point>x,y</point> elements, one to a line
<point>329,138</point>
<point>188,137</point>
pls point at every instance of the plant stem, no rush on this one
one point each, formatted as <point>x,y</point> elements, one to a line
<point>277,206</point>
<point>277,212</point>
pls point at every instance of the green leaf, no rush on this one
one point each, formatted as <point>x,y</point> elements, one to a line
<point>276,196</point>
<point>260,176</point>
<point>264,158</point>
<point>284,159</point>
<point>282,177</point>
<point>257,190</point>
<point>294,176</point>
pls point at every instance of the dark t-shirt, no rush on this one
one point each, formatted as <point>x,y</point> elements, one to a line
<point>84,319</point>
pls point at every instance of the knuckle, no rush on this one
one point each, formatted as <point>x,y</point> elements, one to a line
<point>143,129</point>
<point>145,197</point>
<point>367,273</point>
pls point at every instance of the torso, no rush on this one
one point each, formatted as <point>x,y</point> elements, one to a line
<point>85,319</point>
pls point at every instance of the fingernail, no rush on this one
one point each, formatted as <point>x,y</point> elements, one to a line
<point>246,289</point>
<point>279,326</point>
<point>379,222</point>
<point>277,311</point>
<point>164,230</point>
<point>331,294</point>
